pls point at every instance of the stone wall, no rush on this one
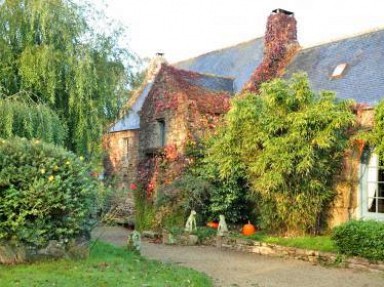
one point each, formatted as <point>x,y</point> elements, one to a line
<point>313,256</point>
<point>122,155</point>
<point>186,111</point>
<point>345,205</point>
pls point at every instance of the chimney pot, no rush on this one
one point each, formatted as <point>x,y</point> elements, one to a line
<point>286,12</point>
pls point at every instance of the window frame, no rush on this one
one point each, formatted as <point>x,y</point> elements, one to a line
<point>371,186</point>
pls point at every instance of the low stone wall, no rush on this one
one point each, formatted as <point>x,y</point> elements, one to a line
<point>313,256</point>
<point>15,254</point>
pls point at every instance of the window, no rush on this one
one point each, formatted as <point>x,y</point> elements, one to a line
<point>372,185</point>
<point>161,124</point>
<point>127,144</point>
<point>339,70</point>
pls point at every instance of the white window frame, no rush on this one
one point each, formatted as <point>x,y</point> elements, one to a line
<point>369,186</point>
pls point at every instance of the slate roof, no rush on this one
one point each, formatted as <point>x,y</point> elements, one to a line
<point>230,68</point>
<point>131,120</point>
<point>210,94</point>
<point>213,83</point>
<point>363,79</point>
<point>237,62</point>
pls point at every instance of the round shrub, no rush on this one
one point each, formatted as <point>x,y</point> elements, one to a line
<point>360,238</point>
<point>46,193</point>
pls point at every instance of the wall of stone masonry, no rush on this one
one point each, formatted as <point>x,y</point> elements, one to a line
<point>122,155</point>
<point>346,203</point>
<point>313,256</point>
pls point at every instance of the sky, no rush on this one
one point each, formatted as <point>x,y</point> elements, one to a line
<point>183,29</point>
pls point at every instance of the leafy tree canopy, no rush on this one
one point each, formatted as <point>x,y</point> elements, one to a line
<point>287,143</point>
<point>49,50</point>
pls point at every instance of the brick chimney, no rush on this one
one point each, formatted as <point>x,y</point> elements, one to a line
<point>280,45</point>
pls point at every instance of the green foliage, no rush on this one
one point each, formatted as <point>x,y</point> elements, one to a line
<point>378,130</point>
<point>204,233</point>
<point>360,238</point>
<point>144,211</point>
<point>107,266</point>
<point>287,143</point>
<point>49,50</point>
<point>228,194</point>
<point>46,193</point>
<point>30,120</point>
<point>175,201</point>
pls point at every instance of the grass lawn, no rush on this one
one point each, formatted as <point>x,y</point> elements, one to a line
<point>321,243</point>
<point>107,266</point>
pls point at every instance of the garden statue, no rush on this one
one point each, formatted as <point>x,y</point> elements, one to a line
<point>222,229</point>
<point>134,241</point>
<point>191,222</point>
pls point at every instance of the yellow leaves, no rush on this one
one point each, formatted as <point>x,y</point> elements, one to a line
<point>51,178</point>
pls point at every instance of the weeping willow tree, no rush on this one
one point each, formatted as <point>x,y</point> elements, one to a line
<point>24,118</point>
<point>49,50</point>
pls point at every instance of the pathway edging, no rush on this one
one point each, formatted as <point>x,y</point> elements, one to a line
<point>313,256</point>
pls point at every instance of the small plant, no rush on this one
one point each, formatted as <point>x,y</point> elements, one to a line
<point>360,238</point>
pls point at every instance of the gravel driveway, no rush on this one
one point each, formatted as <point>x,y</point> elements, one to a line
<point>231,268</point>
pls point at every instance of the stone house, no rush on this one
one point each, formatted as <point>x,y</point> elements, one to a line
<point>179,103</point>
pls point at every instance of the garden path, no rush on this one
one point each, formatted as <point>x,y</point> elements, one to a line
<point>231,268</point>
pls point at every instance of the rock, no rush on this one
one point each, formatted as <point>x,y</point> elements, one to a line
<point>193,239</point>
<point>54,249</point>
<point>150,234</point>
<point>12,254</point>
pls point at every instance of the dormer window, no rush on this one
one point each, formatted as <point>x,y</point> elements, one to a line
<point>339,71</point>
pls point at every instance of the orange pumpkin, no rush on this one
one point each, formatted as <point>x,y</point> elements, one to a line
<point>248,229</point>
<point>213,224</point>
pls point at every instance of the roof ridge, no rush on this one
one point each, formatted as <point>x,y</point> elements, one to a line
<point>202,74</point>
<point>218,50</point>
<point>342,38</point>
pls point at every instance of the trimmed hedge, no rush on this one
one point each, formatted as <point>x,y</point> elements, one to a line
<point>360,238</point>
<point>46,193</point>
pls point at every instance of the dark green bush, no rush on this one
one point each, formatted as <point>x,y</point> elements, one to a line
<point>46,193</point>
<point>175,201</point>
<point>360,238</point>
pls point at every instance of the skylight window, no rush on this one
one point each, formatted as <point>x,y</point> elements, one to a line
<point>339,70</point>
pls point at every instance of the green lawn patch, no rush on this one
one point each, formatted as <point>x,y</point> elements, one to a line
<point>107,266</point>
<point>320,243</point>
